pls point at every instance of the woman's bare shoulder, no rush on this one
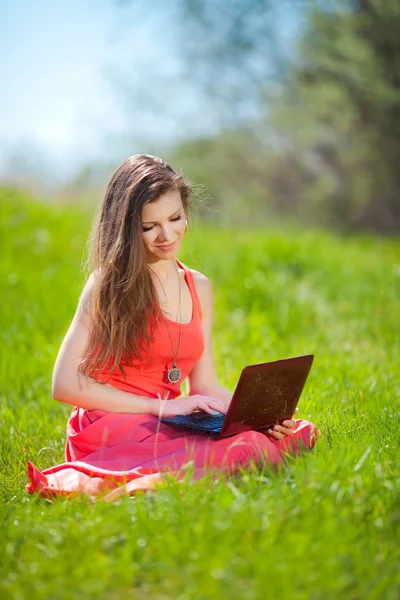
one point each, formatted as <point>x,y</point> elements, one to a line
<point>203,289</point>
<point>201,280</point>
<point>89,286</point>
<point>85,300</point>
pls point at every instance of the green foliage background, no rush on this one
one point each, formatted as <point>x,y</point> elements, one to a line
<point>322,144</point>
<point>324,526</point>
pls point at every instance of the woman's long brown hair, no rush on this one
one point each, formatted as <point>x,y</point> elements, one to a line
<point>124,307</point>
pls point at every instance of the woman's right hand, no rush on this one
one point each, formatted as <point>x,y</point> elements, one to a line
<point>186,405</point>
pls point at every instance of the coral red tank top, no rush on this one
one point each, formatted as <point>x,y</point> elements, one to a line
<point>150,379</point>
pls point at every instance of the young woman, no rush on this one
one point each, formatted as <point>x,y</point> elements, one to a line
<point>144,325</point>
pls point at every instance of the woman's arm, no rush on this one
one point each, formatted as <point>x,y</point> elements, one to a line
<point>202,379</point>
<point>71,387</point>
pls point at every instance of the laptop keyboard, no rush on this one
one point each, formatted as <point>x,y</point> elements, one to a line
<point>211,422</point>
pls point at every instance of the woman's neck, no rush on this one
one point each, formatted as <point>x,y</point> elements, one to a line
<point>164,269</point>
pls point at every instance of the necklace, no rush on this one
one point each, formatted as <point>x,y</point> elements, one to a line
<point>174,374</point>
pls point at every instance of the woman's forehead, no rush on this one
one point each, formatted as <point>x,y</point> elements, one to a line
<point>162,208</point>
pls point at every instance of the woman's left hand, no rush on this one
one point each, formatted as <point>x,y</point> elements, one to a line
<point>278,432</point>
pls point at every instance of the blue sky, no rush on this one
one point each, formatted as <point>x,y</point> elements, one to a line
<point>82,80</point>
<point>59,90</point>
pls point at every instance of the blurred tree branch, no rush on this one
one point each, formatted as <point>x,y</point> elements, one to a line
<point>309,122</point>
<point>231,49</point>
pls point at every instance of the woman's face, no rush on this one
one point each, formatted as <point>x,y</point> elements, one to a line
<point>163,226</point>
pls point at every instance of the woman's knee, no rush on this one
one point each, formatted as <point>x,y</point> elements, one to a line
<point>257,445</point>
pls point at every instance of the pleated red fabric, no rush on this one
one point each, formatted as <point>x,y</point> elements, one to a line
<point>111,454</point>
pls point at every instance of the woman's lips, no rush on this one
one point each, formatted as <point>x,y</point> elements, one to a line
<point>166,248</point>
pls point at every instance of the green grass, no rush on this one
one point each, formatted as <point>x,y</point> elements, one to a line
<point>324,526</point>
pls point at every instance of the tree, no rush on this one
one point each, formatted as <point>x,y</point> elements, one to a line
<point>310,122</point>
<point>345,92</point>
<point>330,134</point>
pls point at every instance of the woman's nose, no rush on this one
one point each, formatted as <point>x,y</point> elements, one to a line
<point>165,233</point>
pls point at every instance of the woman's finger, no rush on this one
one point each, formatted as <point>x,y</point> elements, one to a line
<point>271,433</point>
<point>216,405</point>
<point>203,406</point>
<point>284,430</point>
<point>290,423</point>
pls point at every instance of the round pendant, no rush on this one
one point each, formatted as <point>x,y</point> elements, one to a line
<point>174,375</point>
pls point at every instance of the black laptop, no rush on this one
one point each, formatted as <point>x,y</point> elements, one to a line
<point>265,394</point>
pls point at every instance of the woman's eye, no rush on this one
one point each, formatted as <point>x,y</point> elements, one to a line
<point>178,218</point>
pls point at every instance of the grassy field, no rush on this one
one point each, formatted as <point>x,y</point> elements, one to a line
<point>325,526</point>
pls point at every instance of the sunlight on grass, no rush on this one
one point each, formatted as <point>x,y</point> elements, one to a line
<point>326,525</point>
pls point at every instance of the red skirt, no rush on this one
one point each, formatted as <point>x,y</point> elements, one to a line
<point>111,454</point>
